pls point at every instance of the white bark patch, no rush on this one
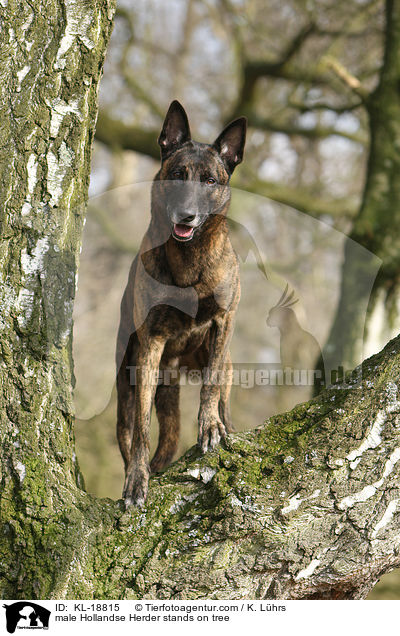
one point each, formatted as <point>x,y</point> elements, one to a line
<point>65,334</point>
<point>386,518</point>
<point>21,75</point>
<point>27,22</point>
<point>207,474</point>
<point>304,574</point>
<point>21,470</point>
<point>236,502</point>
<point>57,168</point>
<point>60,108</point>
<point>295,502</point>
<point>180,502</point>
<point>373,438</point>
<point>79,23</point>
<point>394,403</point>
<point>369,491</point>
<point>31,169</point>
<point>354,464</point>
<point>203,474</point>
<point>12,39</point>
<point>32,265</point>
<point>391,462</point>
<point>46,399</point>
<point>7,301</point>
<point>25,306</point>
<point>362,495</point>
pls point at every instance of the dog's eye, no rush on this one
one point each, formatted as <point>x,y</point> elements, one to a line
<point>177,174</point>
<point>211,181</point>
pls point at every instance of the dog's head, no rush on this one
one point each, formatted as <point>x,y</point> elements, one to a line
<point>193,182</point>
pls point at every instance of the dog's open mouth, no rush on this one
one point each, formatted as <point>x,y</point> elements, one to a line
<point>182,232</point>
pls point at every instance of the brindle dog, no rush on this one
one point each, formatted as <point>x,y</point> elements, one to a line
<point>179,304</point>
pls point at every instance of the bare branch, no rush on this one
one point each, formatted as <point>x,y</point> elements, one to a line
<point>130,80</point>
<point>295,45</point>
<point>115,134</point>
<point>253,70</point>
<point>303,107</point>
<point>314,132</point>
<point>346,77</point>
<point>299,199</point>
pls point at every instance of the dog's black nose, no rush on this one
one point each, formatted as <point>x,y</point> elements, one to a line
<point>188,219</point>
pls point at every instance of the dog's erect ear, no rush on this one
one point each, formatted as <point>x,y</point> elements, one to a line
<point>230,143</point>
<point>175,130</point>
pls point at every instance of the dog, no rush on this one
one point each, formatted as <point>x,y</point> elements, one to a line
<point>179,304</point>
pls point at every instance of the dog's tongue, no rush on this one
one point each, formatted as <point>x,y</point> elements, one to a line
<point>183,231</point>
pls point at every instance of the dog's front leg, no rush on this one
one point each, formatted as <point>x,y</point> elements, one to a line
<point>138,470</point>
<point>211,429</point>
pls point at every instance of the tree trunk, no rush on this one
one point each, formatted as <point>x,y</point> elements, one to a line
<point>378,220</point>
<point>306,506</point>
<point>52,53</point>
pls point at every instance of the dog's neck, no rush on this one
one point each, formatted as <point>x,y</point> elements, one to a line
<point>198,260</point>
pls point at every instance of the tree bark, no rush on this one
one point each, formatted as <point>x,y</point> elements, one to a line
<point>52,55</point>
<point>306,506</point>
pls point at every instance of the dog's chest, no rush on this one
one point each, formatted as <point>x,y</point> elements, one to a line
<point>187,333</point>
<point>183,324</point>
<point>186,342</point>
<point>207,310</point>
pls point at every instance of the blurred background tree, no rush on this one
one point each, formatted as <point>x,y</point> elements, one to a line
<point>319,82</point>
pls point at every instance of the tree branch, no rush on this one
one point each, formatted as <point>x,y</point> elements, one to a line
<point>253,70</point>
<point>125,67</point>
<point>303,107</point>
<point>115,133</point>
<point>314,132</point>
<point>297,198</point>
<point>304,507</point>
<point>346,77</point>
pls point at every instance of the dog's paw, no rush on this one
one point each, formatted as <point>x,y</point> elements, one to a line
<point>135,488</point>
<point>211,430</point>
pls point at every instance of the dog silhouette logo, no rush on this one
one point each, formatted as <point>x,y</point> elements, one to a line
<point>26,615</point>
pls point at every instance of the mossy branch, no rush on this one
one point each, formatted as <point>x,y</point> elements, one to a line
<point>305,506</point>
